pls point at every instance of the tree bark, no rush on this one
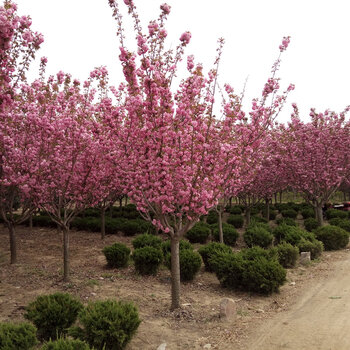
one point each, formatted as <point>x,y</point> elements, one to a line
<point>319,214</point>
<point>13,242</point>
<point>65,255</point>
<point>247,215</point>
<point>267,209</point>
<point>175,273</point>
<point>221,233</point>
<point>103,222</point>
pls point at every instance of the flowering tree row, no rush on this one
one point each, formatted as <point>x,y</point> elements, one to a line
<point>66,145</point>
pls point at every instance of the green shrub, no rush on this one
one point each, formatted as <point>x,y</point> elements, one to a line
<point>307,213</point>
<point>117,255</point>
<point>53,314</point>
<point>294,206</point>
<point>236,220</point>
<point>213,217</point>
<point>209,250</point>
<point>21,336</point>
<point>229,233</point>
<point>132,227</point>
<point>310,224</point>
<point>236,210</point>
<point>258,219</point>
<point>314,246</point>
<point>190,263</point>
<point>336,213</point>
<point>147,260</point>
<point>291,234</point>
<point>263,225</point>
<point>272,214</point>
<point>114,225</point>
<point>286,221</point>
<point>108,324</point>
<point>287,254</point>
<point>256,251</point>
<point>147,240</point>
<point>332,237</point>
<point>257,235</point>
<point>166,246</point>
<point>254,211</point>
<point>281,206</point>
<point>95,212</point>
<point>66,344</point>
<point>289,213</point>
<point>42,221</point>
<point>342,223</point>
<point>199,233</point>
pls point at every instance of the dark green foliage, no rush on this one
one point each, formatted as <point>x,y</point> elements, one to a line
<point>147,240</point>
<point>117,255</point>
<point>93,224</point>
<point>94,212</point>
<point>272,214</point>
<point>254,211</point>
<point>190,263</point>
<point>256,251</point>
<point>107,325</point>
<point>257,235</point>
<point>66,344</point>
<point>310,224</point>
<point>307,213</point>
<point>229,232</point>
<point>236,220</point>
<point>313,246</point>
<point>281,206</point>
<point>209,250</point>
<point>342,223</point>
<point>147,260</point>
<point>133,227</point>
<point>289,213</point>
<point>291,234</point>
<point>258,219</point>
<point>263,225</point>
<point>332,237</point>
<point>247,272</point>
<point>294,206</point>
<point>166,246</point>
<point>236,210</point>
<point>53,314</point>
<point>199,233</point>
<point>213,217</point>
<point>42,221</point>
<point>286,221</point>
<point>335,213</point>
<point>20,336</point>
<point>287,254</point>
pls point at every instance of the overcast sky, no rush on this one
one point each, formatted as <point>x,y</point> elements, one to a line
<point>81,34</point>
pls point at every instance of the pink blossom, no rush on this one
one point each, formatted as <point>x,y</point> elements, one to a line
<point>185,38</point>
<point>165,8</point>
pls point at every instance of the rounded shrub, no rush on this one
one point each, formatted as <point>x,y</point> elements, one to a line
<point>147,260</point>
<point>307,213</point>
<point>310,224</point>
<point>17,336</point>
<point>117,255</point>
<point>290,234</point>
<point>256,235</point>
<point>213,217</point>
<point>66,344</point>
<point>236,210</point>
<point>272,214</point>
<point>342,223</point>
<point>190,263</point>
<point>53,314</point>
<point>256,251</point>
<point>209,250</point>
<point>147,240</point>
<point>132,227</point>
<point>289,213</point>
<point>166,246</point>
<point>287,254</point>
<point>336,213</point>
<point>108,324</point>
<point>229,232</point>
<point>258,219</point>
<point>255,211</point>
<point>199,233</point>
<point>332,237</point>
<point>281,206</point>
<point>236,220</point>
<point>313,246</point>
<point>286,221</point>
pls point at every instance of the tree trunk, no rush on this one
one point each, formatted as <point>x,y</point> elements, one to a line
<point>121,204</point>
<point>13,243</point>
<point>126,201</point>
<point>221,233</point>
<point>275,197</point>
<point>103,222</point>
<point>230,202</point>
<point>280,196</point>
<point>267,209</point>
<point>65,255</point>
<point>175,273</point>
<point>247,215</point>
<point>319,214</point>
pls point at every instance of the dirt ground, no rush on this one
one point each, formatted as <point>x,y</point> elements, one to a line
<point>310,312</point>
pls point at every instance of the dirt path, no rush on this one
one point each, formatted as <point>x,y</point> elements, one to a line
<point>319,320</point>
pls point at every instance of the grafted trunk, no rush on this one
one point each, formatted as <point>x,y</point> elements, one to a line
<point>66,272</point>
<point>13,242</point>
<point>175,273</point>
<point>103,222</point>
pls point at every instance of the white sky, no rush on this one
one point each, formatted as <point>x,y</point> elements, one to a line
<point>80,35</point>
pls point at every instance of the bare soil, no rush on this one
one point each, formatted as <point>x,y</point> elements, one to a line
<point>310,312</point>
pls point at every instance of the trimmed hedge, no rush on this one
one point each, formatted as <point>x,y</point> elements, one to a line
<point>209,250</point>
<point>258,235</point>
<point>236,210</point>
<point>286,221</point>
<point>17,336</point>
<point>53,314</point>
<point>336,213</point>
<point>342,223</point>
<point>107,325</point>
<point>66,344</point>
<point>314,246</point>
<point>307,213</point>
<point>289,213</point>
<point>287,254</point>
<point>147,240</point>
<point>117,255</point>
<point>333,237</point>
<point>199,233</point>
<point>236,220</point>
<point>213,217</point>
<point>147,260</point>
<point>166,246</point>
<point>311,224</point>
<point>229,232</point>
